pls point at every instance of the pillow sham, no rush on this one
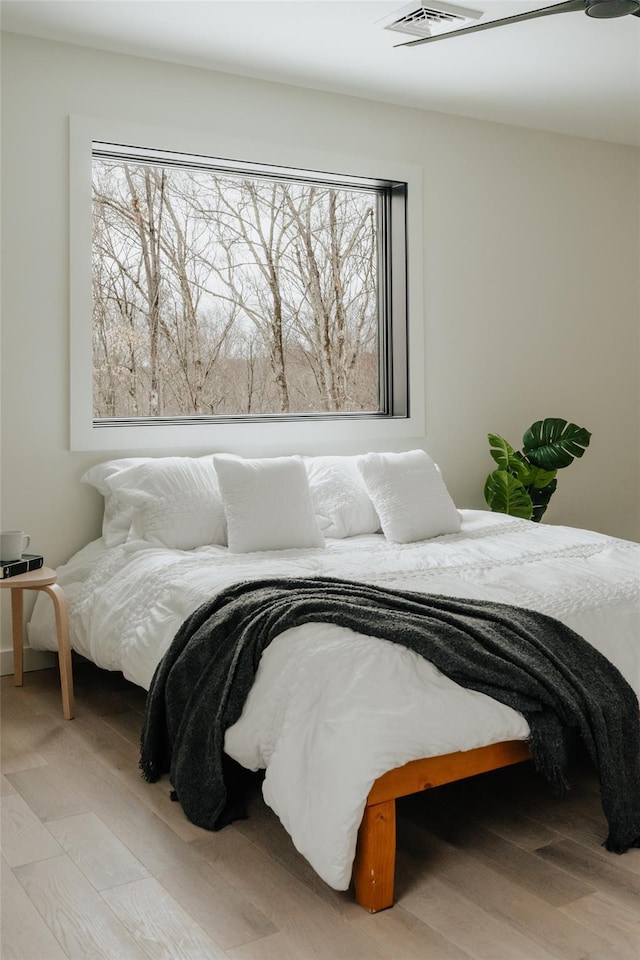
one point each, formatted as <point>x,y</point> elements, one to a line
<point>175,501</point>
<point>342,506</point>
<point>409,495</point>
<point>118,514</point>
<point>267,503</point>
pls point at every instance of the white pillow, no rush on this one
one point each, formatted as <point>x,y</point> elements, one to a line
<point>267,503</point>
<point>118,514</point>
<point>342,506</point>
<point>175,501</point>
<point>410,496</point>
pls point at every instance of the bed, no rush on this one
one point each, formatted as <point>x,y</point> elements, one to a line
<point>341,723</point>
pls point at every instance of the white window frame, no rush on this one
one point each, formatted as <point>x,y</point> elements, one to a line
<point>238,435</point>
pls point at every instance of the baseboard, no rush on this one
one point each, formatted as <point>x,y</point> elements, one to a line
<point>33,660</point>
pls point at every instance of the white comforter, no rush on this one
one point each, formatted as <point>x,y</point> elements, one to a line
<point>332,710</point>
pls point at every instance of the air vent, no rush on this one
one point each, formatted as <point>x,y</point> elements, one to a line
<point>426,20</point>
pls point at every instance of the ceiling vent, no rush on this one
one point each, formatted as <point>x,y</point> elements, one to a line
<point>428,19</point>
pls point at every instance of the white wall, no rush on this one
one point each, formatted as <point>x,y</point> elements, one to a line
<point>531,294</point>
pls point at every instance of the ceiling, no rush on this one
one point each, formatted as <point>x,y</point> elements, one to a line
<point>567,73</point>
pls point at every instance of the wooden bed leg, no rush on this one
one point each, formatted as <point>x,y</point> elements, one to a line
<point>374,865</point>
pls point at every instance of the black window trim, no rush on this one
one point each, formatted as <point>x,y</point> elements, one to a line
<point>393,356</point>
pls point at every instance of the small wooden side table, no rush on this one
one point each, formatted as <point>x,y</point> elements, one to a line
<point>42,579</point>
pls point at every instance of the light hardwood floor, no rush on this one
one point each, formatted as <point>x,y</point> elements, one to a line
<point>96,863</point>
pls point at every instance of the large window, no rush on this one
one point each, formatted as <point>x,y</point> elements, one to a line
<point>225,290</point>
<point>242,294</point>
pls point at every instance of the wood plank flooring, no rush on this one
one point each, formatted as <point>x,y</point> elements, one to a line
<point>96,863</point>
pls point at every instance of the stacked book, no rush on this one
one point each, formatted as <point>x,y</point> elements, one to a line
<point>28,561</point>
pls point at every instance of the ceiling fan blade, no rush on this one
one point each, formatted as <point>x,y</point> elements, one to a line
<point>569,6</point>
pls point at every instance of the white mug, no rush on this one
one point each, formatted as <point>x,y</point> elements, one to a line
<point>13,543</point>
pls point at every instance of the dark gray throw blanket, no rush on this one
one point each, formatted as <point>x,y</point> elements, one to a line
<point>530,661</point>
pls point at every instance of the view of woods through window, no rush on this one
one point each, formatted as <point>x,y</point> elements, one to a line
<point>225,294</point>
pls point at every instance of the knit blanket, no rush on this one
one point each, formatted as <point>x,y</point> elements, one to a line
<point>522,658</point>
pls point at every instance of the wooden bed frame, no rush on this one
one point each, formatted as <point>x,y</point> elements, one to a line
<point>374,865</point>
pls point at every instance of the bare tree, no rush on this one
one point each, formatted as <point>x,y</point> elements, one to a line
<point>335,245</point>
<point>216,294</point>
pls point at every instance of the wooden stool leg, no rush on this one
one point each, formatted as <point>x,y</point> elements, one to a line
<point>374,865</point>
<point>61,608</point>
<point>18,635</point>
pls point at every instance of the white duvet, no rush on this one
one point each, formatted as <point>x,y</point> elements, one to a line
<point>331,710</point>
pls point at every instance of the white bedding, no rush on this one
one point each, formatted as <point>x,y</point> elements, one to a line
<point>332,710</point>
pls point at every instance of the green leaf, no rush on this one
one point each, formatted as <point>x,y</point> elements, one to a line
<point>522,469</point>
<point>540,499</point>
<point>507,458</point>
<point>505,494</point>
<point>539,478</point>
<point>501,451</point>
<point>553,443</point>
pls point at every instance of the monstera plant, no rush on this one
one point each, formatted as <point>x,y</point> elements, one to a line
<point>524,481</point>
